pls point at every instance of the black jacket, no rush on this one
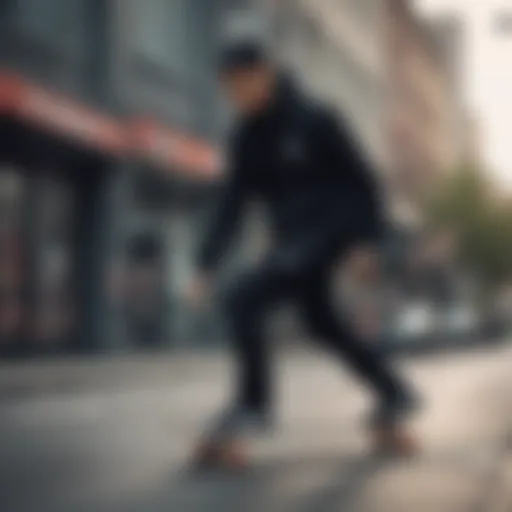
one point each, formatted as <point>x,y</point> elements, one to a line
<point>301,162</point>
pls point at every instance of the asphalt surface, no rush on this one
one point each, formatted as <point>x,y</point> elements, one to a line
<point>123,448</point>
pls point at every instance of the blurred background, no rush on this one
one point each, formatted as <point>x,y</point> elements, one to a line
<point>112,141</point>
<point>113,129</point>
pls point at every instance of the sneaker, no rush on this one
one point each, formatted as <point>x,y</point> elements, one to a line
<point>389,430</point>
<point>225,445</point>
<point>239,421</point>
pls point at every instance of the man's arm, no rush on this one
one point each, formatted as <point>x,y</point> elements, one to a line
<point>227,217</point>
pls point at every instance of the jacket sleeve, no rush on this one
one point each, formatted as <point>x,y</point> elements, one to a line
<point>227,215</point>
<point>346,156</point>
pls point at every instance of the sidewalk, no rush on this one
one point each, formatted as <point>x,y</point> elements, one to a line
<point>125,450</point>
<point>81,374</point>
<point>24,378</point>
<point>42,376</point>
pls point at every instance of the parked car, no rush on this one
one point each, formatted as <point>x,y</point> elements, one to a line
<point>423,325</point>
<point>412,324</point>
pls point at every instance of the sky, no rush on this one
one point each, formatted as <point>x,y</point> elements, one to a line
<point>487,75</point>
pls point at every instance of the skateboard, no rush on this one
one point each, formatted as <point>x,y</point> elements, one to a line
<point>234,456</point>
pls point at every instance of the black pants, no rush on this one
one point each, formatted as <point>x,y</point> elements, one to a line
<point>298,273</point>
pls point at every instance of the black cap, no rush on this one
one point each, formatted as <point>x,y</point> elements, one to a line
<point>243,55</point>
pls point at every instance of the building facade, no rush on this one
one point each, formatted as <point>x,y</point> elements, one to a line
<point>335,48</point>
<point>163,72</point>
<point>449,37</point>
<point>108,132</point>
<point>422,137</point>
<point>60,139</point>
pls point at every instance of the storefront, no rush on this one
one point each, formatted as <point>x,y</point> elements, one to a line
<point>172,178</point>
<point>55,158</point>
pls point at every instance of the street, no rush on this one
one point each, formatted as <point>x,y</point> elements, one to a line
<point>123,448</point>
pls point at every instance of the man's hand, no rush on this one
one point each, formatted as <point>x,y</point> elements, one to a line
<point>198,290</point>
<point>364,263</point>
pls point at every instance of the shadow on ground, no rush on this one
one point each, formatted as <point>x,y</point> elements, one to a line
<point>327,483</point>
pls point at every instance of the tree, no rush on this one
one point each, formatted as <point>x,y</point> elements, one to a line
<point>466,203</point>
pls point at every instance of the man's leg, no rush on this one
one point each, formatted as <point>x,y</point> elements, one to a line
<point>248,302</point>
<point>395,401</point>
<point>323,322</point>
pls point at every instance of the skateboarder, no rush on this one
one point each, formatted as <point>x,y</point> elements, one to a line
<point>299,160</point>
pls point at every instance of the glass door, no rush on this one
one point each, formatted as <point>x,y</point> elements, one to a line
<point>11,256</point>
<point>54,285</point>
<point>144,306</point>
<point>184,323</point>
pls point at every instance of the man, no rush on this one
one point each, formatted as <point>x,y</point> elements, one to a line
<point>292,155</point>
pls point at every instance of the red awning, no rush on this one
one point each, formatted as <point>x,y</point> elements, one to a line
<point>176,151</point>
<point>55,113</point>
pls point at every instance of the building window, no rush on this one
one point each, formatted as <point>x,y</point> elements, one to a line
<point>52,21</point>
<point>42,19</point>
<point>165,31</point>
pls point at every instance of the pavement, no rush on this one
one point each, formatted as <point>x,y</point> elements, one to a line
<point>68,375</point>
<point>120,442</point>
